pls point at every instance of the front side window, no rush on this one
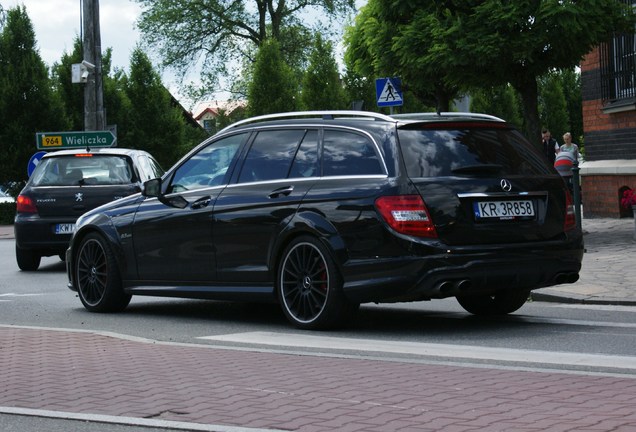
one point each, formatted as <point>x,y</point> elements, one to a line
<point>349,154</point>
<point>208,166</point>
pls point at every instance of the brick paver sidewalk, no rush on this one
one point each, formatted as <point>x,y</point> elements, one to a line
<point>98,374</point>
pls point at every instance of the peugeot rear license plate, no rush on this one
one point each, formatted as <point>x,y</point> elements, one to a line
<point>64,228</point>
<point>503,210</point>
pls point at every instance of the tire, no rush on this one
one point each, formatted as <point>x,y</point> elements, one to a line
<point>27,259</point>
<point>309,287</point>
<point>500,303</point>
<point>97,276</point>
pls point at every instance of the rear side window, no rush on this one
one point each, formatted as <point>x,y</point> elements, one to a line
<point>84,169</point>
<point>474,151</point>
<point>347,153</point>
<point>271,154</point>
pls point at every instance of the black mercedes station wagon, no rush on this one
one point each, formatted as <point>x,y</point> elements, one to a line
<point>64,185</point>
<point>323,211</point>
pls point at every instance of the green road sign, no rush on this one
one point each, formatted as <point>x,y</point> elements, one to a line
<point>64,140</point>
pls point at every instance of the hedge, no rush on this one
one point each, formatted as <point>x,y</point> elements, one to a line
<point>7,213</point>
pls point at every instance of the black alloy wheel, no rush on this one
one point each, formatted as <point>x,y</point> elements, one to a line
<point>97,277</point>
<point>310,287</point>
<point>499,303</point>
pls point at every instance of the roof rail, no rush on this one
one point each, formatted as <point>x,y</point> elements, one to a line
<point>323,114</point>
<point>433,115</point>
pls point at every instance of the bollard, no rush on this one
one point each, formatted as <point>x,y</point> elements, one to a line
<point>576,190</point>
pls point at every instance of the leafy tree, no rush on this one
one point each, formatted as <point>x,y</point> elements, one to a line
<point>552,105</point>
<point>295,48</point>
<point>28,103</point>
<point>216,34</point>
<point>360,90</point>
<point>321,86</point>
<point>477,43</point>
<point>116,102</point>
<point>571,83</point>
<point>156,125</point>
<point>72,95</point>
<point>379,45</point>
<point>272,88</point>
<point>501,101</point>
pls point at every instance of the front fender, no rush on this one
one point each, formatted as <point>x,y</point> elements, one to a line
<point>102,224</point>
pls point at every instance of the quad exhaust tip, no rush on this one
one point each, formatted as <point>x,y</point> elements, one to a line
<point>457,285</point>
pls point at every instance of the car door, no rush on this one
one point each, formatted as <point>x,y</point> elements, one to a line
<point>175,244</point>
<point>279,168</point>
<point>353,175</point>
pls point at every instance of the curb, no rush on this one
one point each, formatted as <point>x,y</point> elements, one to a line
<point>579,299</point>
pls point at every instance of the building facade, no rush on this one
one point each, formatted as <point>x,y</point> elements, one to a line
<point>608,78</point>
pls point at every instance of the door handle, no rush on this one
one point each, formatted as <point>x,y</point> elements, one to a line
<point>201,202</point>
<point>282,191</point>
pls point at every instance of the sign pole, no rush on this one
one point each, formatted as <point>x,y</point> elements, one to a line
<point>93,90</point>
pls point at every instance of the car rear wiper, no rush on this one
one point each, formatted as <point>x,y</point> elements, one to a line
<point>477,169</point>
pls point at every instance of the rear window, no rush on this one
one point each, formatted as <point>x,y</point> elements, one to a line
<point>86,169</point>
<point>469,151</point>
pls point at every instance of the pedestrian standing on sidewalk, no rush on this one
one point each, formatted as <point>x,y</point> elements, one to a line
<point>565,159</point>
<point>569,146</point>
<point>550,145</point>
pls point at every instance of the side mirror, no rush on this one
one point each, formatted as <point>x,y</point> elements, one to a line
<point>152,189</point>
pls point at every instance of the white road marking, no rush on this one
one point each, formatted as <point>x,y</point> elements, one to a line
<point>428,349</point>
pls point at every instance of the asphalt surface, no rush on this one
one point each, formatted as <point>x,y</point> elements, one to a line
<point>112,379</point>
<point>608,275</point>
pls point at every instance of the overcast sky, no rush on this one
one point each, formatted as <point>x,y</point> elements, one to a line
<point>57,22</point>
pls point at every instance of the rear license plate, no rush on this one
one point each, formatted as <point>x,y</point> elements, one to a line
<point>64,228</point>
<point>503,210</point>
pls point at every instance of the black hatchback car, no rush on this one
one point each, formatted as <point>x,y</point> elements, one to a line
<point>323,211</point>
<point>64,185</point>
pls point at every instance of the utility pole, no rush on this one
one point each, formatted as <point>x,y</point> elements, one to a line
<point>94,117</point>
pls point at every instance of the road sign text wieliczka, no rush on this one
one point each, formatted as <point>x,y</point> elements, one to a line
<point>61,140</point>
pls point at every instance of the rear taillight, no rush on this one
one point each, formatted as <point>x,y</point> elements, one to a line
<point>570,213</point>
<point>25,205</point>
<point>406,214</point>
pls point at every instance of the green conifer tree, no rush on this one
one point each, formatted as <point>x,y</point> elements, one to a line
<point>27,102</point>
<point>321,85</point>
<point>272,88</point>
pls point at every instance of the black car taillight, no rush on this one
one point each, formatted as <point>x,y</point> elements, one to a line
<point>570,213</point>
<point>406,214</point>
<point>24,204</point>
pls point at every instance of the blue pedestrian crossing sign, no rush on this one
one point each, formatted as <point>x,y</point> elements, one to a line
<point>388,92</point>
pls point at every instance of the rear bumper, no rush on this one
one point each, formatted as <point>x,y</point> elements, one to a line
<point>37,233</point>
<point>454,273</point>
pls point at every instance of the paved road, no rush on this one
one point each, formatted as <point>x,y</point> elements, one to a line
<point>113,379</point>
<point>199,387</point>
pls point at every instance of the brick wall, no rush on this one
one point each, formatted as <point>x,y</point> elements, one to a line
<point>607,137</point>
<point>601,197</point>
